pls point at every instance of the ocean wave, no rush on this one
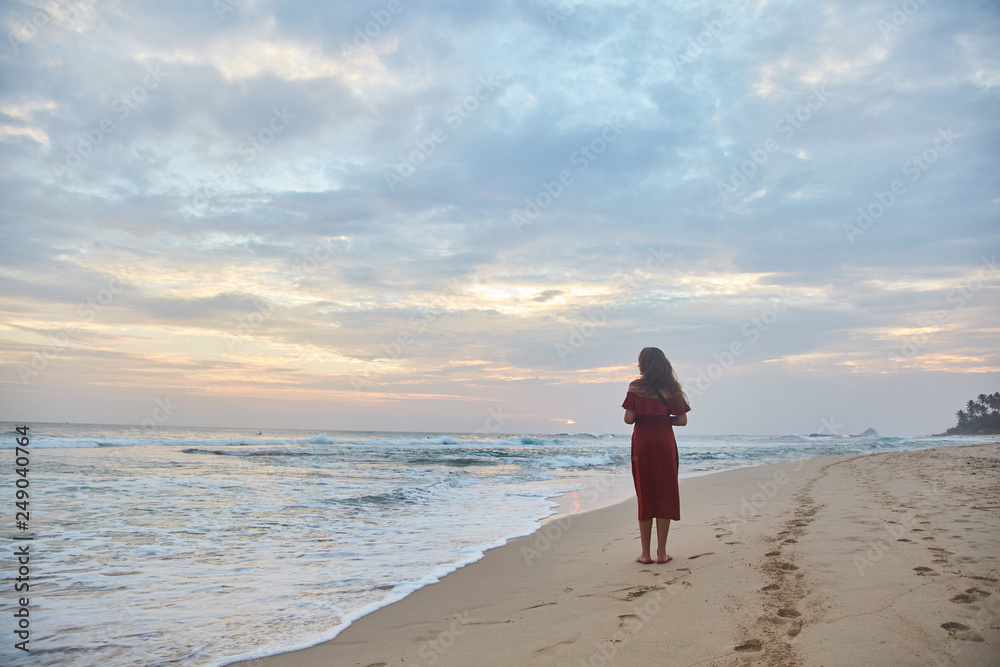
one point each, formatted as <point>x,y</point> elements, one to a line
<point>407,494</point>
<point>56,442</point>
<point>457,461</point>
<point>689,456</point>
<point>534,440</point>
<point>442,440</point>
<point>576,461</point>
<point>812,437</point>
<point>216,452</point>
<point>59,442</point>
<point>323,439</point>
<point>264,452</point>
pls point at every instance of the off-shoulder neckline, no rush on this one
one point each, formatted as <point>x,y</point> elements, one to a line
<point>654,396</point>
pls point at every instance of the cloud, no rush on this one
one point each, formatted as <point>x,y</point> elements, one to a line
<point>332,201</point>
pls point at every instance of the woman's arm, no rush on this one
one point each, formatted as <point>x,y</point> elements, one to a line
<point>679,420</point>
<point>630,416</point>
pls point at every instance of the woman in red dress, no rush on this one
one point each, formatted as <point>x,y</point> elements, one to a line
<point>655,403</point>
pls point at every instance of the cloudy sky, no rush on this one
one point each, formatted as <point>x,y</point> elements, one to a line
<point>450,216</point>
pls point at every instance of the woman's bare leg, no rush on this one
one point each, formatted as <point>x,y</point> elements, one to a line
<point>645,536</point>
<point>662,528</point>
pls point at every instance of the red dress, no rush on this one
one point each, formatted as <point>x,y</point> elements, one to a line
<point>654,456</point>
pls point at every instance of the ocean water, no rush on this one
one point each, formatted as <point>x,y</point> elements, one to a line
<point>202,546</point>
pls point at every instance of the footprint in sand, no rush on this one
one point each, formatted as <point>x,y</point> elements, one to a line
<point>925,572</point>
<point>770,587</point>
<point>707,553</point>
<point>963,632</point>
<point>628,623</point>
<point>678,578</point>
<point>486,623</point>
<point>540,604</point>
<point>773,553</point>
<point>631,595</point>
<point>749,646</point>
<point>628,619</point>
<point>786,567</point>
<point>970,596</point>
<point>785,615</point>
<point>557,648</point>
<point>636,592</point>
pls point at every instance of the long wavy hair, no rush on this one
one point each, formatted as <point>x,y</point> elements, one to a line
<point>657,373</point>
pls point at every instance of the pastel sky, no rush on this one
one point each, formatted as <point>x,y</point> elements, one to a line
<point>449,216</point>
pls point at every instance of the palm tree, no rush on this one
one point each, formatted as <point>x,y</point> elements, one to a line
<point>993,420</point>
<point>981,415</point>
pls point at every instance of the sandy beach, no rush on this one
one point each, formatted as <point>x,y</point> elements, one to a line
<point>888,559</point>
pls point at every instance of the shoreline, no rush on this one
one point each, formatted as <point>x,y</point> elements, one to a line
<point>782,563</point>
<point>596,493</point>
